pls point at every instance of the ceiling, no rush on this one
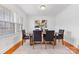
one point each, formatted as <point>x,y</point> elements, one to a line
<point>51,9</point>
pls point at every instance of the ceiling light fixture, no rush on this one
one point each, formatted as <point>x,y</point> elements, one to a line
<point>42,7</point>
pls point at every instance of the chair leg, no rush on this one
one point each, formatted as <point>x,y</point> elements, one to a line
<point>41,44</point>
<point>33,44</point>
<point>45,45</point>
<point>53,44</point>
<point>22,41</point>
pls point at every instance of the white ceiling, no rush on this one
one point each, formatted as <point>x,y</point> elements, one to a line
<point>51,9</point>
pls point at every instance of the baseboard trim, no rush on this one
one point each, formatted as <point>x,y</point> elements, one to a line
<point>12,49</point>
<point>71,47</point>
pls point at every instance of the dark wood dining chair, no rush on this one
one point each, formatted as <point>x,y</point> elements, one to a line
<point>37,37</point>
<point>24,36</point>
<point>60,35</point>
<point>49,38</point>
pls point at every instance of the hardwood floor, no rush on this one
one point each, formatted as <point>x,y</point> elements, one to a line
<point>40,49</point>
<point>68,45</point>
<point>71,47</point>
<point>12,49</point>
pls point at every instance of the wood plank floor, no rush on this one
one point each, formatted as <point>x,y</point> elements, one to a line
<point>58,49</point>
<point>71,47</point>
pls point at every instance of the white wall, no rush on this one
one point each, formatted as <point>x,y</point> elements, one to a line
<point>26,23</point>
<point>50,22</point>
<point>69,20</point>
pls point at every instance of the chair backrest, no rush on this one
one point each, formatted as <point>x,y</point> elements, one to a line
<point>49,35</point>
<point>23,33</point>
<point>37,35</point>
<point>61,33</point>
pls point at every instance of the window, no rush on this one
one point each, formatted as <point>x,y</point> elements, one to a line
<point>7,23</point>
